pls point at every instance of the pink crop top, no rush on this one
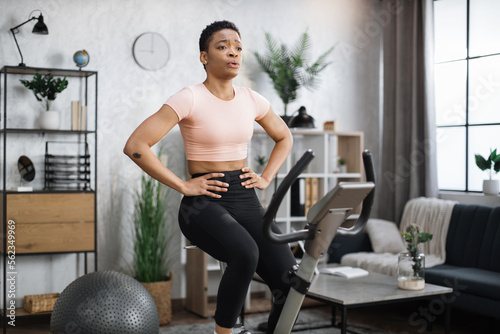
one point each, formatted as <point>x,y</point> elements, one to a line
<point>214,129</point>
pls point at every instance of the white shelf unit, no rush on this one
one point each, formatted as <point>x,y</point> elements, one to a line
<point>328,147</point>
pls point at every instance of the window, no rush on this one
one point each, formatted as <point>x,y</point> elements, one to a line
<point>467,87</point>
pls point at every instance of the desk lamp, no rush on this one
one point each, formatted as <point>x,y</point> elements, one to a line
<point>40,28</point>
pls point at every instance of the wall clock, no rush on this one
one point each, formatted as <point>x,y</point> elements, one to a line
<point>151,51</point>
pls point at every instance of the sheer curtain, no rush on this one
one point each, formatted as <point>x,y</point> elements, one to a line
<point>408,152</point>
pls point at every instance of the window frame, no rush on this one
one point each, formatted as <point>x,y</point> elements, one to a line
<point>467,125</point>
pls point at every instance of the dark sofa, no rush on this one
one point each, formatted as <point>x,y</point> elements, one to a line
<point>472,266</point>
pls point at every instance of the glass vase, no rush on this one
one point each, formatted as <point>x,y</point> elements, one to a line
<point>411,271</point>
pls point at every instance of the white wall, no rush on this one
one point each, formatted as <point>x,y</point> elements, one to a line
<point>349,90</point>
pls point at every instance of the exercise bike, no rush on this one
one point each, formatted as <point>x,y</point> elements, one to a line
<point>324,220</point>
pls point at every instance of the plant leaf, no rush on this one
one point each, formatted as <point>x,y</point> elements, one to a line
<point>424,237</point>
<point>496,167</point>
<point>298,53</point>
<point>482,163</point>
<point>495,158</point>
<point>407,236</point>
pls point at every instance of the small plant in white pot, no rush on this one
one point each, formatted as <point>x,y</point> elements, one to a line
<point>45,88</point>
<point>342,165</point>
<point>492,165</point>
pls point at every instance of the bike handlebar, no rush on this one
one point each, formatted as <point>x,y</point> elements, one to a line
<point>367,202</point>
<point>306,234</point>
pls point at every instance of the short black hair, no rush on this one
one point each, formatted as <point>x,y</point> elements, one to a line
<point>211,29</point>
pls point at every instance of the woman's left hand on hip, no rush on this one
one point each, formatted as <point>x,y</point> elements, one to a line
<point>254,180</point>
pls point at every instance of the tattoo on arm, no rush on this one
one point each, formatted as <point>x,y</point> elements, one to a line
<point>137,155</point>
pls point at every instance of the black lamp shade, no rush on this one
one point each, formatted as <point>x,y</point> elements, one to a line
<point>40,28</point>
<point>302,120</point>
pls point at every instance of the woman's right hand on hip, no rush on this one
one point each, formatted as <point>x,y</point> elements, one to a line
<point>202,185</point>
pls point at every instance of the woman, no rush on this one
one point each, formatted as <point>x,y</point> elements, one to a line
<point>220,212</point>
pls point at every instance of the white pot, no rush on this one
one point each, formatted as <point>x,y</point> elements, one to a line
<point>49,120</point>
<point>491,187</point>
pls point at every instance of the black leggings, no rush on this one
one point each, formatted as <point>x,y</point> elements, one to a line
<point>230,230</point>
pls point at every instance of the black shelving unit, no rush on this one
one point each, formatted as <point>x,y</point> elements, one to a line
<point>89,189</point>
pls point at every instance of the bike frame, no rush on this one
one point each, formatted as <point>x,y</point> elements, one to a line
<point>324,221</point>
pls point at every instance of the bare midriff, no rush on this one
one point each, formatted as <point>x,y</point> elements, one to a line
<point>195,167</point>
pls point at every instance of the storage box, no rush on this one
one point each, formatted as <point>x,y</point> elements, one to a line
<point>40,303</point>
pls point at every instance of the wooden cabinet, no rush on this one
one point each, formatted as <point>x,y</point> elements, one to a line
<point>56,222</point>
<point>324,170</point>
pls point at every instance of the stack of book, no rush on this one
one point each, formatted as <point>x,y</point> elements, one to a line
<point>78,116</point>
<point>305,192</point>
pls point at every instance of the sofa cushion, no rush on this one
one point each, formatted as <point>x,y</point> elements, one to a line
<point>489,255</point>
<point>473,281</point>
<point>474,237</point>
<point>385,236</point>
<point>342,245</point>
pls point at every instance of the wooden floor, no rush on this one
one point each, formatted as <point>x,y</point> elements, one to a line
<point>400,318</point>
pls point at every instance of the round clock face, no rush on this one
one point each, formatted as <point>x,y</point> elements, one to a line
<point>151,51</point>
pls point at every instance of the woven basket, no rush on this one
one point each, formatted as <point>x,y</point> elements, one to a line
<point>162,295</point>
<point>40,303</point>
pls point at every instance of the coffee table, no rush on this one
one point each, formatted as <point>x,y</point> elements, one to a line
<point>369,290</point>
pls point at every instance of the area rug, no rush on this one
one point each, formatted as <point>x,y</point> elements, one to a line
<point>309,318</point>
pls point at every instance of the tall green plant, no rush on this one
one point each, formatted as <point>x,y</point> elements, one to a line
<point>287,68</point>
<point>45,88</point>
<point>151,261</point>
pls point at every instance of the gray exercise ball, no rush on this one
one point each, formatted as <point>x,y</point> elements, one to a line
<point>105,302</point>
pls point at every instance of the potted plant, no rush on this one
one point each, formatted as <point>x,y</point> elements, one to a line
<point>342,165</point>
<point>261,163</point>
<point>492,164</point>
<point>411,264</point>
<point>45,88</point>
<point>288,70</point>
<point>151,264</point>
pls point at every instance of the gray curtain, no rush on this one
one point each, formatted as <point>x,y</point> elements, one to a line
<point>408,152</point>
